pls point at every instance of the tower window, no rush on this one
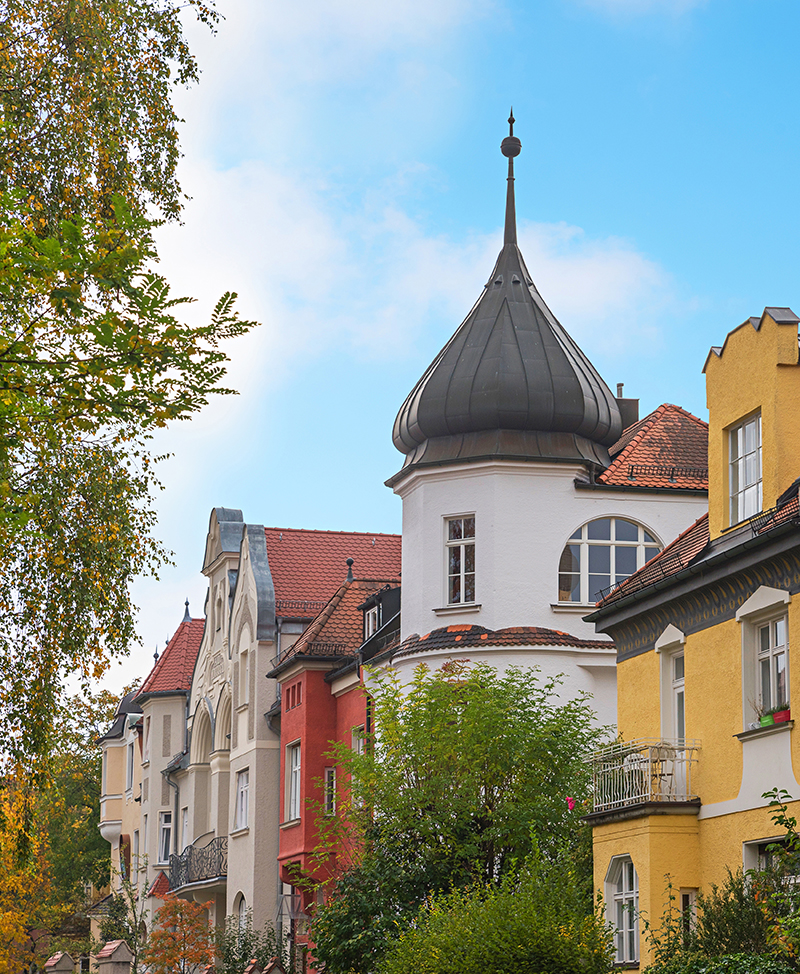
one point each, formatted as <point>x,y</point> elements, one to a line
<point>600,554</point>
<point>460,552</point>
<point>744,460</point>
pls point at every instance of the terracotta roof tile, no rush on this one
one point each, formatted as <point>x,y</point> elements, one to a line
<point>339,629</point>
<point>667,449</point>
<point>466,636</point>
<point>307,566</point>
<point>173,671</point>
<point>675,557</point>
<point>160,885</point>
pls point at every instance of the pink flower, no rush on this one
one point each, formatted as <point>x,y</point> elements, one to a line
<point>570,803</point>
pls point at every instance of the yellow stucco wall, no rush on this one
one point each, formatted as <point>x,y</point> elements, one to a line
<point>756,370</point>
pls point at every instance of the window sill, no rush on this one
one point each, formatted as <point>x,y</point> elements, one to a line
<point>750,735</point>
<point>242,706</point>
<point>573,606</point>
<point>146,763</point>
<point>290,824</point>
<point>241,831</point>
<point>448,610</point>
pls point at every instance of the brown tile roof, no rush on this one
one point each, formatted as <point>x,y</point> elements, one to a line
<point>173,671</point>
<point>339,629</point>
<point>160,885</point>
<point>675,557</point>
<point>465,637</point>
<point>307,566</point>
<point>667,449</point>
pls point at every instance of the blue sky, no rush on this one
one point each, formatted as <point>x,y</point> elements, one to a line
<point>344,167</point>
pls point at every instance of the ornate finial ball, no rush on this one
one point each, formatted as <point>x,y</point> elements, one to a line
<point>511,146</point>
<point>349,563</point>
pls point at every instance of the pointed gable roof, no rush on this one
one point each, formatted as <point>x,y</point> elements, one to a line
<point>173,670</point>
<point>510,383</point>
<point>668,449</point>
<point>307,566</point>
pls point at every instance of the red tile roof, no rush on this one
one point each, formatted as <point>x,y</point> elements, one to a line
<point>464,637</point>
<point>307,566</point>
<point>339,629</point>
<point>173,671</point>
<point>160,885</point>
<point>675,557</point>
<point>667,449</point>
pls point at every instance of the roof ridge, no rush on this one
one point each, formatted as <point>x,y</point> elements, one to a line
<point>697,419</point>
<point>365,534</point>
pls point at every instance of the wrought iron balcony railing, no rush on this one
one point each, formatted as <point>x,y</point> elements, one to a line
<point>194,865</point>
<point>642,771</point>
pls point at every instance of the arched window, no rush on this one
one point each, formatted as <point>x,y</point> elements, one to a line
<point>600,554</point>
<point>622,908</point>
<point>241,911</point>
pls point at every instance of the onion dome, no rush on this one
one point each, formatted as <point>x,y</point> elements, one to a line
<point>510,383</point>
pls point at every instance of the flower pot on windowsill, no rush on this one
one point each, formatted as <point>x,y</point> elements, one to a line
<point>766,719</point>
<point>781,716</point>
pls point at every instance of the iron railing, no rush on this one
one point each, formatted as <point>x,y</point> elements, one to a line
<point>195,864</point>
<point>644,770</point>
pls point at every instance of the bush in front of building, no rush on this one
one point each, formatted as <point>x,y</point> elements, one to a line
<point>722,964</point>
<point>239,942</point>
<point>536,921</point>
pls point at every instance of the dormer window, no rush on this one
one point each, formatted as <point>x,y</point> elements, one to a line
<point>744,462</point>
<point>460,552</point>
<point>371,621</point>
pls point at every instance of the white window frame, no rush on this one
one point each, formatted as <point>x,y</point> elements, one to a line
<point>678,686</point>
<point>745,469</point>
<point>146,739</point>
<point>293,781</point>
<point>772,649</point>
<point>242,799</point>
<point>622,909</point>
<point>647,545</point>
<point>371,621</point>
<point>764,607</point>
<point>164,837</point>
<point>358,739</point>
<point>136,851</point>
<point>329,791</point>
<point>184,828</point>
<point>129,765</point>
<point>460,583</point>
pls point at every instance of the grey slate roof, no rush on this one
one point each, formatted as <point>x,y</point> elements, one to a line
<point>510,383</point>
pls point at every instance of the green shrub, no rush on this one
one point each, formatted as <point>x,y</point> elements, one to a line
<point>693,963</point>
<point>535,923</point>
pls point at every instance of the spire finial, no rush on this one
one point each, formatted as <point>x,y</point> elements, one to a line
<point>186,616</point>
<point>349,564</point>
<point>155,654</point>
<point>510,147</point>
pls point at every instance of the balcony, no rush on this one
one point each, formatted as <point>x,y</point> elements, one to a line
<point>632,774</point>
<point>203,864</point>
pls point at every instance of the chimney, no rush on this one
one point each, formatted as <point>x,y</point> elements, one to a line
<point>628,408</point>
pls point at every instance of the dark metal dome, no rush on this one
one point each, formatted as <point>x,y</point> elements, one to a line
<point>510,383</point>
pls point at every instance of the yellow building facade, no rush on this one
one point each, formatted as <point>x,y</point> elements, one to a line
<point>708,642</point>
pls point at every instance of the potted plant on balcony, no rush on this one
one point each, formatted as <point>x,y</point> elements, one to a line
<point>765,717</point>
<point>782,712</point>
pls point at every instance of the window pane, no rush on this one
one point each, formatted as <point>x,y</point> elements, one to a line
<point>454,591</point>
<point>766,696</point>
<point>596,584</point>
<point>455,529</point>
<point>455,560</point>
<point>780,632</point>
<point>469,557</point>
<point>469,588</point>
<point>680,728</point>
<point>576,536</point>
<point>469,527</point>
<point>649,538</point>
<point>599,530</point>
<point>570,559</point>
<point>750,436</point>
<point>569,588</point>
<point>678,667</point>
<point>626,530</point>
<point>780,678</point>
<point>763,635</point>
<point>625,561</point>
<point>650,553</point>
<point>736,443</point>
<point>599,558</point>
<point>751,468</point>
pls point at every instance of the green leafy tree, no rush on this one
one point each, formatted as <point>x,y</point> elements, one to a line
<point>86,106</point>
<point>467,773</point>
<point>240,942</point>
<point>534,921</point>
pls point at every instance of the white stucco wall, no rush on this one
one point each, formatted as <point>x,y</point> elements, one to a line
<point>524,514</point>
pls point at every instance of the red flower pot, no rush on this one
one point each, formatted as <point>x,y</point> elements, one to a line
<point>782,716</point>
